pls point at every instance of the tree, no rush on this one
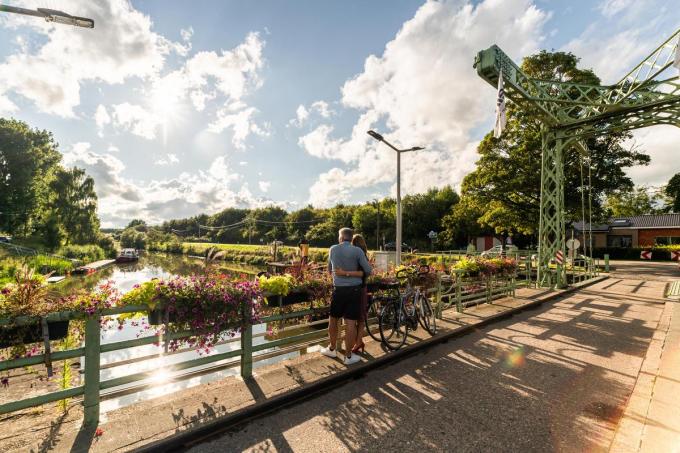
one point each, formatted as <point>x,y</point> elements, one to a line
<point>626,203</point>
<point>75,204</point>
<point>28,158</point>
<point>672,190</point>
<point>505,186</point>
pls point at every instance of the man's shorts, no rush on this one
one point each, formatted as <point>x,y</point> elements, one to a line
<point>346,302</point>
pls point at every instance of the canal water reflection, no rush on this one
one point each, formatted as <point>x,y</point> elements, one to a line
<point>116,364</point>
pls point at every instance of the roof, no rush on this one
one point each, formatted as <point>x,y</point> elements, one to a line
<point>635,222</point>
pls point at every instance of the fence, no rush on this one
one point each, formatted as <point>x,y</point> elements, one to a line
<point>456,290</point>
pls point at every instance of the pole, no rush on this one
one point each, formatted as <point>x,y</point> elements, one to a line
<point>377,232</point>
<point>398,258</point>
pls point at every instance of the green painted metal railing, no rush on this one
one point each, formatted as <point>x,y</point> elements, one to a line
<point>451,291</point>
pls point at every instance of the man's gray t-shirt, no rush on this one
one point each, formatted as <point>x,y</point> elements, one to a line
<point>347,257</point>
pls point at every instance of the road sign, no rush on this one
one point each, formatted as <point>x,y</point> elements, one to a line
<point>573,244</point>
<point>559,257</point>
<point>675,255</point>
<point>646,255</point>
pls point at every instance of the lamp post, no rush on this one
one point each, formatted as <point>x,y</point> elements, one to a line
<point>50,15</point>
<point>380,138</point>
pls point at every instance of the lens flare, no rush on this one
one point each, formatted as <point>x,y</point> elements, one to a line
<point>514,358</point>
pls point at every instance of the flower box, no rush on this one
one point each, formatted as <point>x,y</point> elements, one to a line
<point>157,317</point>
<point>294,297</point>
<point>12,335</point>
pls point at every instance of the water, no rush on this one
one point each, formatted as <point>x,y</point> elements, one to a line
<point>124,278</point>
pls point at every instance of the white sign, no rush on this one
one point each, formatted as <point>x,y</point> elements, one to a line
<point>646,255</point>
<point>573,244</point>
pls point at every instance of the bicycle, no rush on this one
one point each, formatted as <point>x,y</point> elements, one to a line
<point>406,311</point>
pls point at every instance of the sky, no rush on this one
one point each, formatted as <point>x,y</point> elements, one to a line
<point>179,108</point>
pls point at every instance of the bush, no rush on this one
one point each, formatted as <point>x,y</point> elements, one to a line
<point>86,253</point>
<point>46,264</point>
<point>106,242</point>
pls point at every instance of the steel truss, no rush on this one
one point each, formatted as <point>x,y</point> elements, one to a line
<point>572,112</point>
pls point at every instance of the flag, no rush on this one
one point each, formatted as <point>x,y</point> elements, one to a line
<point>500,108</point>
<point>676,63</point>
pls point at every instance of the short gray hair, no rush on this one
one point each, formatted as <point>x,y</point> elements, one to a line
<point>345,234</point>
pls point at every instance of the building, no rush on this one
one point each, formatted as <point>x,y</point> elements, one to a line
<point>634,231</point>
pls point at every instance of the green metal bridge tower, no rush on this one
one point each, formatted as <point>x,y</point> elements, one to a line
<point>649,94</point>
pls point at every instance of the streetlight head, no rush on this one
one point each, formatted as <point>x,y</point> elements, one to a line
<point>60,17</point>
<point>375,135</point>
<point>416,148</point>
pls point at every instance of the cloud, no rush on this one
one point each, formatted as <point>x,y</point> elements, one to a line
<point>101,119</point>
<point>169,159</point>
<point>136,119</point>
<point>302,113</point>
<point>264,186</point>
<point>241,123</point>
<point>424,91</point>
<point>122,46</point>
<point>188,194</point>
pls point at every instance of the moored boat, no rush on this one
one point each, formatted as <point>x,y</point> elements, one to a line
<point>127,256</point>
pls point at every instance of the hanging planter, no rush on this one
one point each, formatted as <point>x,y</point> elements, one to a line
<point>157,317</point>
<point>295,297</point>
<point>32,333</point>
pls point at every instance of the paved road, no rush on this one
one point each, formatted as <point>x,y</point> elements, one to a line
<point>553,379</point>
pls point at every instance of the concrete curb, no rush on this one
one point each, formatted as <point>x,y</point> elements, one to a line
<point>185,439</point>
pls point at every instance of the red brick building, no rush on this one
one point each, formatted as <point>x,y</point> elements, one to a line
<point>635,231</point>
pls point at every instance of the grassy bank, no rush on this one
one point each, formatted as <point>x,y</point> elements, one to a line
<point>257,255</point>
<point>40,263</point>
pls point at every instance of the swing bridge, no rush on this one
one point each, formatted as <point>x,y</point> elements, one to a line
<point>571,113</point>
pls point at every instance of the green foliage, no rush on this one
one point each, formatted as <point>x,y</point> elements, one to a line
<point>632,202</point>
<point>673,192</point>
<point>85,253</point>
<point>49,264</point>
<point>74,203</point>
<point>131,238</point>
<point>37,194</point>
<point>504,189</point>
<point>277,285</point>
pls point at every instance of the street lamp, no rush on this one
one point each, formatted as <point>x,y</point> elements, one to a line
<point>380,138</point>
<point>50,15</point>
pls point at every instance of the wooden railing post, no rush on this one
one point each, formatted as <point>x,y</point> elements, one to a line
<point>92,351</point>
<point>438,297</point>
<point>459,302</point>
<point>247,346</point>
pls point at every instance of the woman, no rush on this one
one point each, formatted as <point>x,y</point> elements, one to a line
<point>359,241</point>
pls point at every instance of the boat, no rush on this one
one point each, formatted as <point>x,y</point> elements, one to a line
<point>127,256</point>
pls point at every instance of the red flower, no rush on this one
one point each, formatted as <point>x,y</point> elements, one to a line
<point>98,432</point>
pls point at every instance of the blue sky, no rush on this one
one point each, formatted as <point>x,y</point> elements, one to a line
<point>178,108</point>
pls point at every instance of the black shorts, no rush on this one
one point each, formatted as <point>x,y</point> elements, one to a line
<point>346,302</point>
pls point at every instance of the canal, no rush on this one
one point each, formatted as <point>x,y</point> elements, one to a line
<point>150,357</point>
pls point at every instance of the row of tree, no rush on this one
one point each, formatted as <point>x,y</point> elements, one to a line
<point>422,213</point>
<point>40,197</point>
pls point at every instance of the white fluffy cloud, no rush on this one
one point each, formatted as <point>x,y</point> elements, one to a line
<point>121,199</point>
<point>169,159</point>
<point>122,45</point>
<point>425,91</point>
<point>264,186</point>
<point>303,113</point>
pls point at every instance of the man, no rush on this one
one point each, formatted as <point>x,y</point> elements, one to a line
<point>344,259</point>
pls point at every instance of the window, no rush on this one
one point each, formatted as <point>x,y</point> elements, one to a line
<point>667,240</point>
<point>619,241</point>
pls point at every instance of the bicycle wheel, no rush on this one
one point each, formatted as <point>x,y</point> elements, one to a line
<point>426,316</point>
<point>372,318</point>
<point>392,326</point>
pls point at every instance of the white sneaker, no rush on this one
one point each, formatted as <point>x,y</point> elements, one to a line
<point>328,352</point>
<point>354,358</point>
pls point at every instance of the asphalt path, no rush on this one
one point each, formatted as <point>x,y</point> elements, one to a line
<point>553,379</point>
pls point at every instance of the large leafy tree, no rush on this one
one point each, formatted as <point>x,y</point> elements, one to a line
<point>75,204</point>
<point>28,159</point>
<point>505,186</point>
